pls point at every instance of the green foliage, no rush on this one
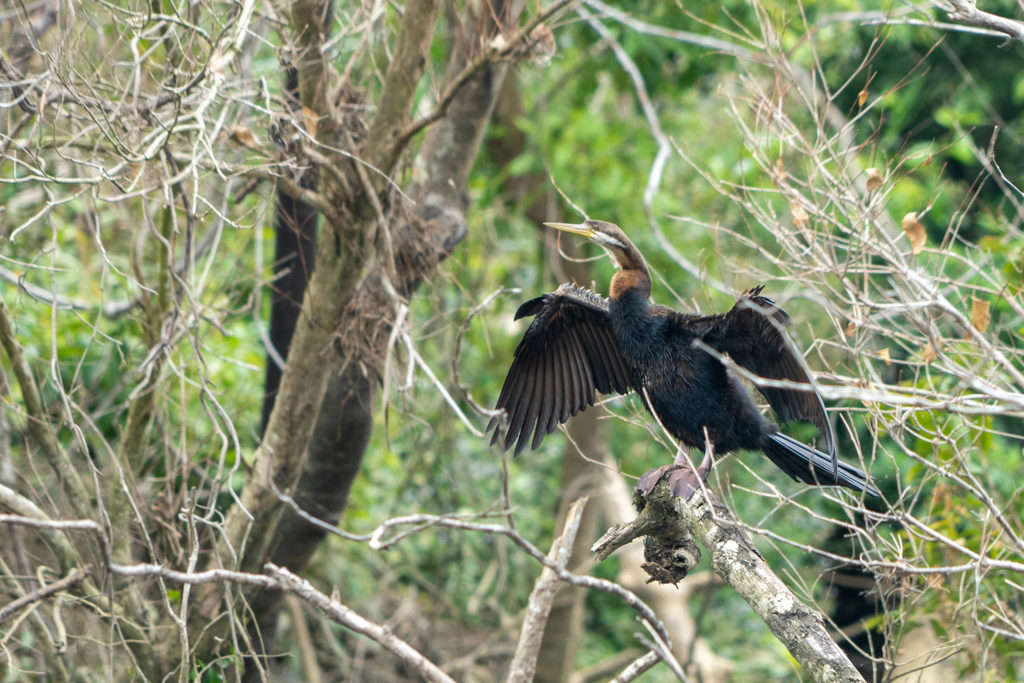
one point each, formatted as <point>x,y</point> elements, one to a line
<point>932,103</point>
<point>591,140</point>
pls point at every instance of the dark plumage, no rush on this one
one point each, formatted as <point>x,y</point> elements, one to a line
<point>579,344</point>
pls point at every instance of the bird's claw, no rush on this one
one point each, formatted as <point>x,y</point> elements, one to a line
<point>683,481</point>
<point>648,480</point>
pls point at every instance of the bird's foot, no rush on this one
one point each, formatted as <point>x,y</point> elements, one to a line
<point>683,480</point>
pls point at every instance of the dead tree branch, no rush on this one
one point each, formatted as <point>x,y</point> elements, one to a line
<point>352,620</point>
<point>43,592</point>
<point>524,663</point>
<point>967,12</point>
<point>670,525</point>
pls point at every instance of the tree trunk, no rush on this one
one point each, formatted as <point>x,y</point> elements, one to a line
<point>420,242</point>
<point>564,632</point>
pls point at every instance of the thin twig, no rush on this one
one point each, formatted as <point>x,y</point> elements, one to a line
<point>43,592</point>
<point>490,55</point>
<point>348,618</point>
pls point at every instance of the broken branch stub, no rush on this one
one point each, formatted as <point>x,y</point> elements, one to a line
<point>670,550</point>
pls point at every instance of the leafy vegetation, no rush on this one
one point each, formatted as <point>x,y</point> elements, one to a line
<point>143,279</point>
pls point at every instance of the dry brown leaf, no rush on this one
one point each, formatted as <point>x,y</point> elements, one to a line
<point>243,136</point>
<point>309,120</point>
<point>874,179</point>
<point>928,354</point>
<point>915,232</point>
<point>800,216</point>
<point>862,97</point>
<point>851,329</point>
<point>980,315</point>
<point>884,355</point>
<point>543,45</point>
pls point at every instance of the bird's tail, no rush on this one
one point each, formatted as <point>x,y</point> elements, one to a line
<point>811,466</point>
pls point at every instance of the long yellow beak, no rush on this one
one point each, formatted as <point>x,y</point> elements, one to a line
<point>575,228</point>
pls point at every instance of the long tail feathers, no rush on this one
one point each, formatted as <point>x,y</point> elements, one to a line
<point>810,466</point>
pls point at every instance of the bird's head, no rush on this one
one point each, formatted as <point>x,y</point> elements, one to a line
<point>610,237</point>
<point>633,275</point>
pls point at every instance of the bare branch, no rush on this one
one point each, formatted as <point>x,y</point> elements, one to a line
<point>350,619</point>
<point>637,667</point>
<point>493,53</point>
<point>524,662</point>
<point>43,592</point>
<point>674,521</point>
<point>967,12</point>
<point>403,75</point>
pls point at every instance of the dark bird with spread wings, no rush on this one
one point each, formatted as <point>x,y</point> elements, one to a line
<point>580,344</point>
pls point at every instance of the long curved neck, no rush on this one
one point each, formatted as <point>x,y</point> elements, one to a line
<point>632,276</point>
<point>630,307</point>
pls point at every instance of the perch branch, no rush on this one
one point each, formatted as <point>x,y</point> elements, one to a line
<point>670,525</point>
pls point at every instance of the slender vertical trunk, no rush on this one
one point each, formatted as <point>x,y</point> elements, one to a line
<point>294,255</point>
<point>564,633</point>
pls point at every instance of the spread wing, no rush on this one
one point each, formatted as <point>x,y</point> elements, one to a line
<point>751,333</point>
<point>567,354</point>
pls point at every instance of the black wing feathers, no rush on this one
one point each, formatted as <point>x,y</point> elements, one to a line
<point>752,336</point>
<point>531,307</point>
<point>567,354</point>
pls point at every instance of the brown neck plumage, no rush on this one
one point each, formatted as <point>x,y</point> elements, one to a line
<point>632,272</point>
<point>632,279</point>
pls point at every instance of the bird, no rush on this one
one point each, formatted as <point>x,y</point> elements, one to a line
<point>580,344</point>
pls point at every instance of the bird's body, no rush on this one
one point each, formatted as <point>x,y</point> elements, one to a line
<point>580,343</point>
<point>687,389</point>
